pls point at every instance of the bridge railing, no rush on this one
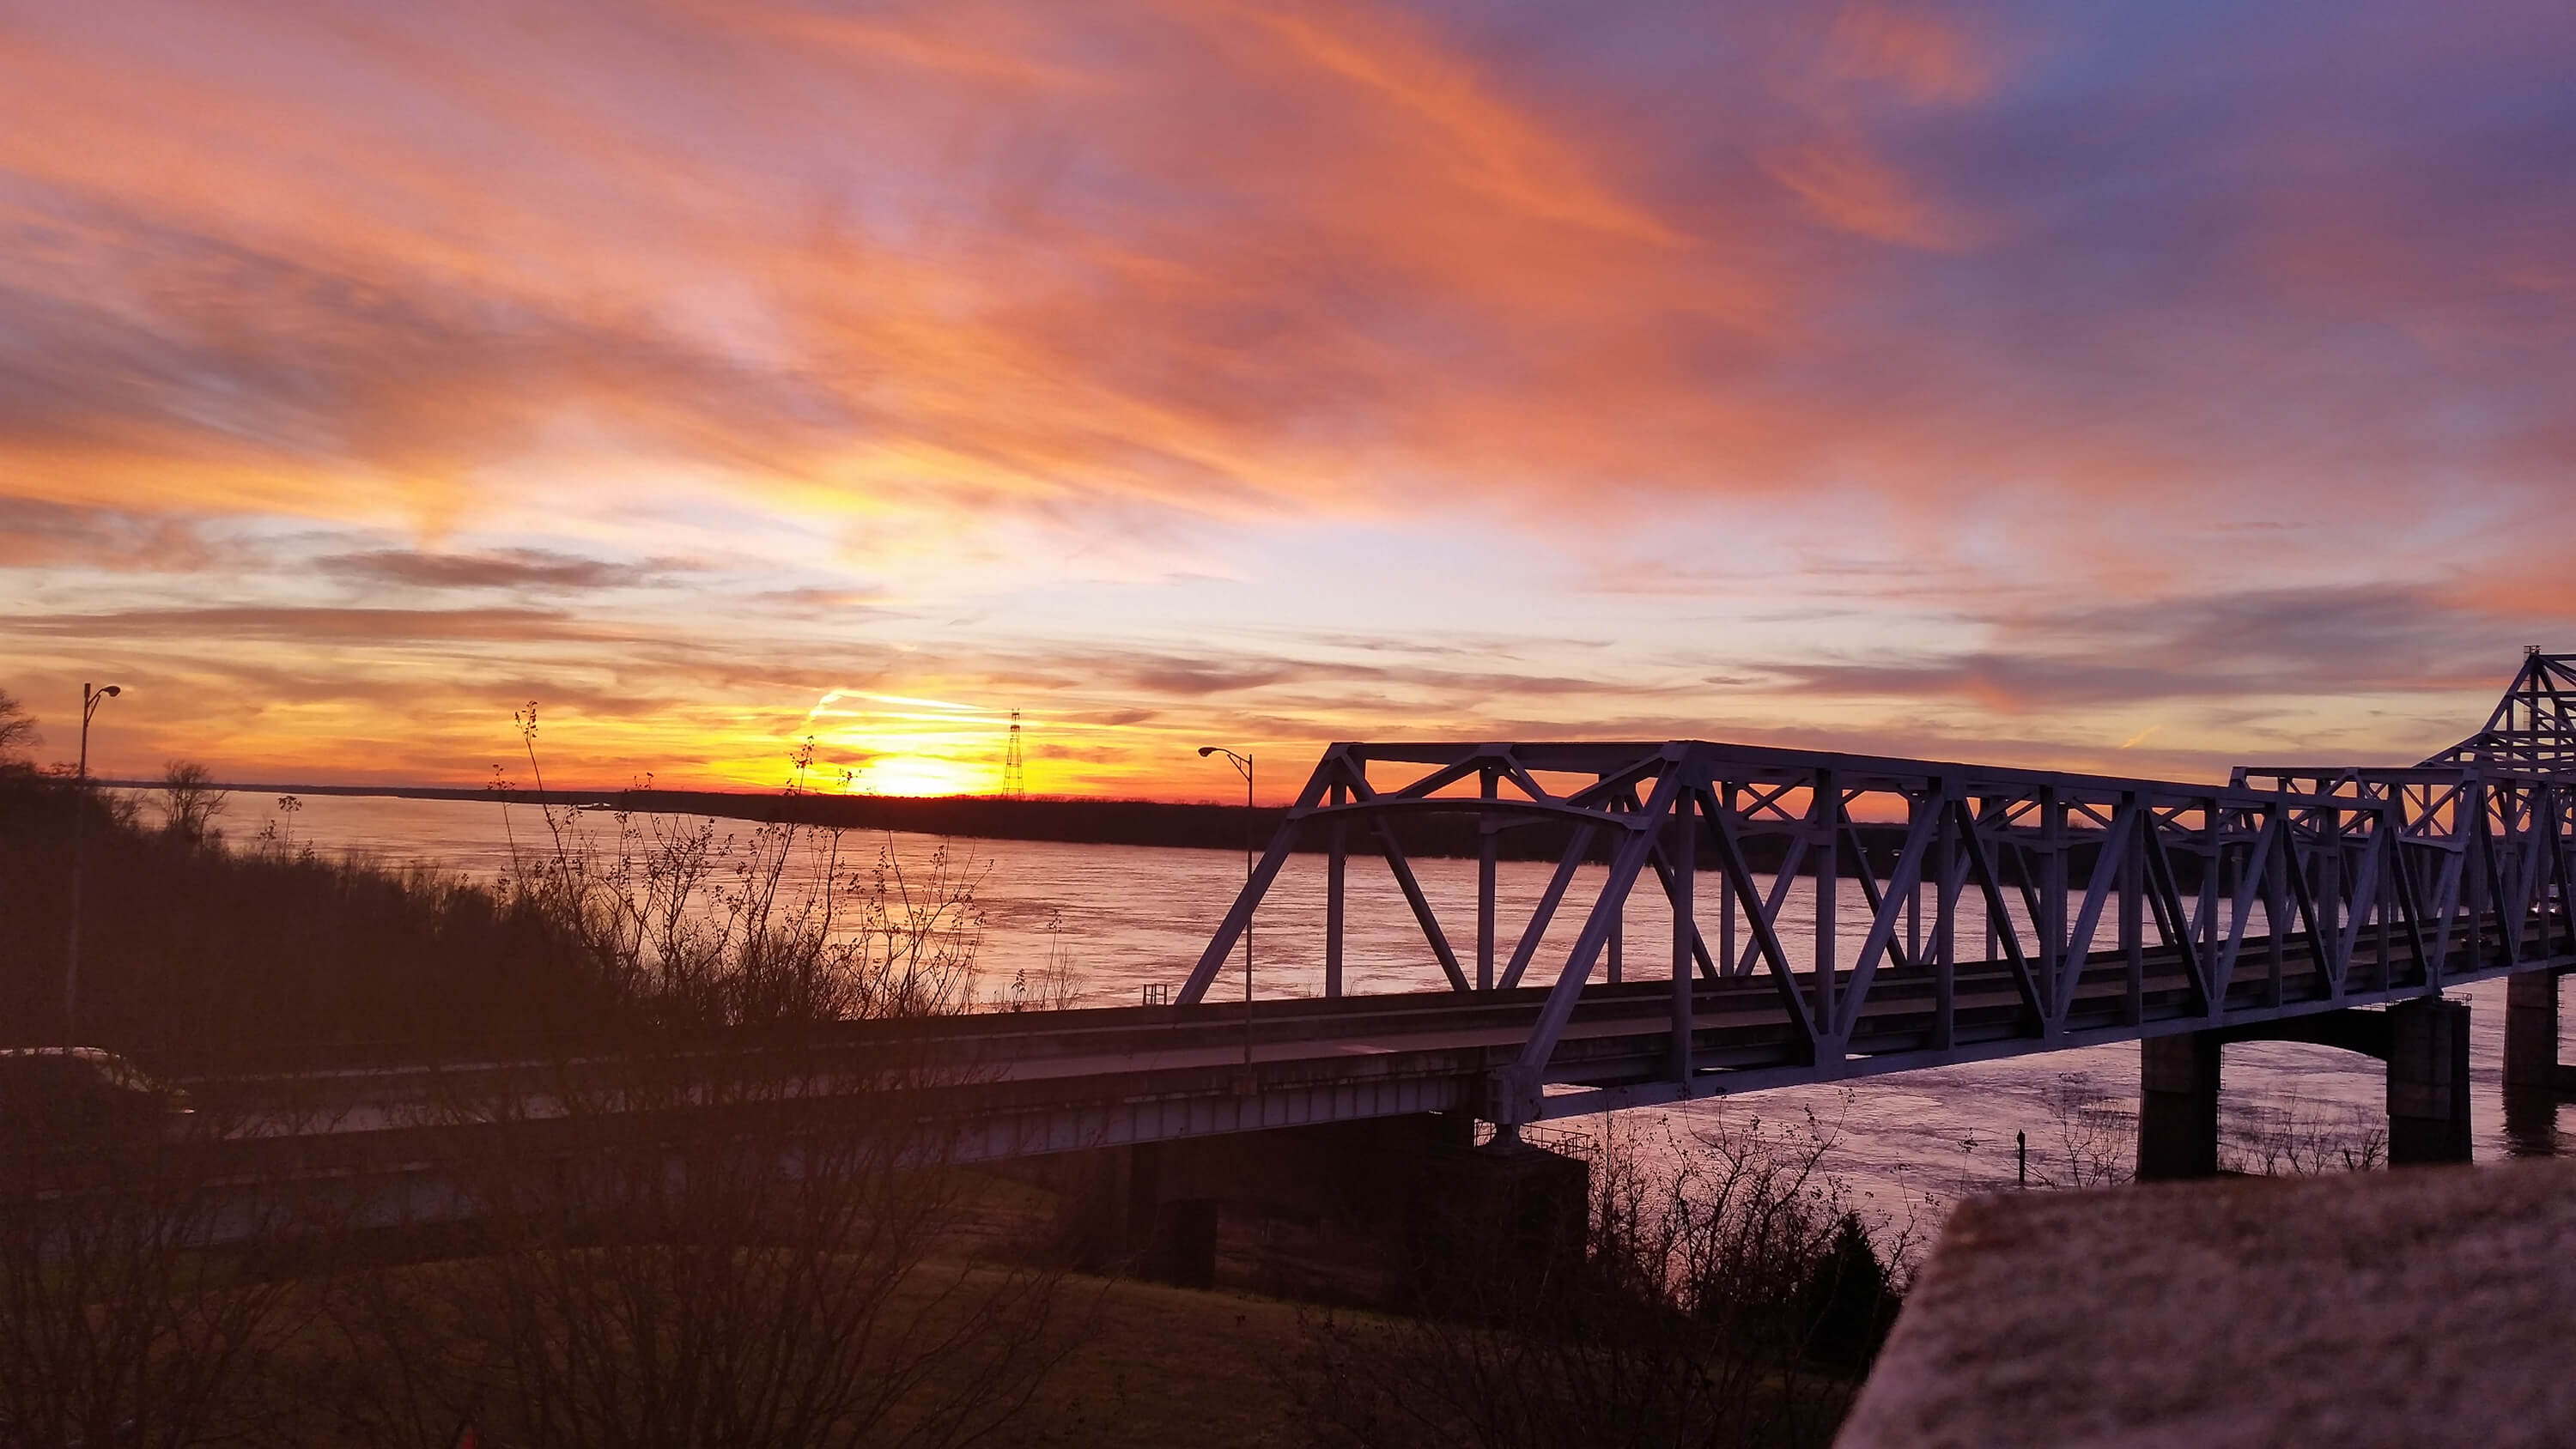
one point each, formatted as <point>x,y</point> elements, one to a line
<point>2373,881</point>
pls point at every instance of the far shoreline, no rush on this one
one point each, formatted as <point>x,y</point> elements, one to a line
<point>1054,819</point>
<point>983,817</point>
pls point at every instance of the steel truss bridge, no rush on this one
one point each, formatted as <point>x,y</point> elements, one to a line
<point>2003,911</point>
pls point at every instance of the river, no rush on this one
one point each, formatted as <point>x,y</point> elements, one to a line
<point>1108,921</point>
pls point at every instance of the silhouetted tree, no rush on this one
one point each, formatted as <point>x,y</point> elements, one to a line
<point>190,800</point>
<point>17,729</point>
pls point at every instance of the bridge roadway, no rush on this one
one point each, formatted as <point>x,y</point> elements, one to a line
<point>1031,1083</point>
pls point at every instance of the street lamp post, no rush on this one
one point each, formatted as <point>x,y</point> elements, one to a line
<point>1243,766</point>
<point>91,699</point>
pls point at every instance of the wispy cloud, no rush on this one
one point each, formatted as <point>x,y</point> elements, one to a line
<point>507,569</point>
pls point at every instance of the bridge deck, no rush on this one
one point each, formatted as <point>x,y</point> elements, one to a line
<point>1040,1082</point>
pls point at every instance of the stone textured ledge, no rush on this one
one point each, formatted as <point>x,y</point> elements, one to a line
<point>2427,1305</point>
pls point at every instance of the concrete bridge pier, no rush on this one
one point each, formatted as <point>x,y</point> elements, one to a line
<point>1490,1230</point>
<point>2425,1044</point>
<point>2428,1082</point>
<point>2531,1032</point>
<point>1132,1208</point>
<point>2178,1105</point>
<point>1373,1208</point>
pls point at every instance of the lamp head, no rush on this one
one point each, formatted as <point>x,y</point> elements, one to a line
<point>111,691</point>
<point>1206,750</point>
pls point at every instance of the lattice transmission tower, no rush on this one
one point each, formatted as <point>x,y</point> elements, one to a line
<point>1014,787</point>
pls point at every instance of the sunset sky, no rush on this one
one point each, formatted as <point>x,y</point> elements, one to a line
<point>2136,387</point>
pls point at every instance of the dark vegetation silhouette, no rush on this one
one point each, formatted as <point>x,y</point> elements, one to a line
<point>190,800</point>
<point>1727,1297</point>
<point>199,958</point>
<point>118,1324</point>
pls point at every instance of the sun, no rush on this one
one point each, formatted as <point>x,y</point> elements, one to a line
<point>923,775</point>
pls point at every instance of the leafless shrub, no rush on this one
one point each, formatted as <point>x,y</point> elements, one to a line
<point>1052,986</point>
<point>2091,1140</point>
<point>126,1314</point>
<point>189,800</point>
<point>276,838</point>
<point>1724,1302</point>
<point>740,1244</point>
<point>723,1222</point>
<point>2300,1138</point>
<point>702,927</point>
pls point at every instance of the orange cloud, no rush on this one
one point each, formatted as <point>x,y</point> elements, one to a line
<point>1925,56</point>
<point>1850,190</point>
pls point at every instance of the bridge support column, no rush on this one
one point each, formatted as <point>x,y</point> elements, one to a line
<point>1171,1238</point>
<point>2178,1106</point>
<point>1092,1203</point>
<point>2428,1082</point>
<point>1115,1212</point>
<point>2531,1031</point>
<point>1323,1210</point>
<point>1491,1229</point>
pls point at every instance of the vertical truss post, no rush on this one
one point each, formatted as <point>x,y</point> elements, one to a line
<point>1336,873</point>
<point>2328,924</point>
<point>1944,801</point>
<point>1988,909</point>
<point>2213,883</point>
<point>1487,843</point>
<point>1685,853</point>
<point>1825,820</point>
<point>2561,865</point>
<point>1615,944</point>
<point>1728,963</point>
<point>1914,909</point>
<point>2478,885</point>
<point>2049,921</point>
<point>2133,934</point>
<point>2276,890</point>
<point>2391,835</point>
